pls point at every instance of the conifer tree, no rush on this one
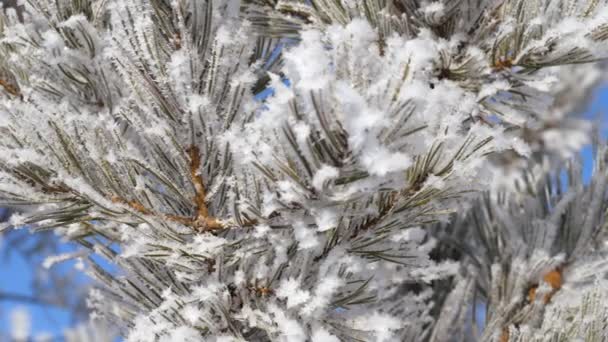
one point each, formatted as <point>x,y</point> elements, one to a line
<point>323,170</point>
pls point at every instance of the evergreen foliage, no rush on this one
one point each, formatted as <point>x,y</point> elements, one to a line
<point>403,173</point>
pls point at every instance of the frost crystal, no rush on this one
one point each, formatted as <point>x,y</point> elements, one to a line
<point>354,170</point>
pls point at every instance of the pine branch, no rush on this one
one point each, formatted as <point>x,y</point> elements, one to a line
<point>138,130</point>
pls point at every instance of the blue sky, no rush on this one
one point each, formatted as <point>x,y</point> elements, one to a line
<point>15,276</point>
<point>597,107</point>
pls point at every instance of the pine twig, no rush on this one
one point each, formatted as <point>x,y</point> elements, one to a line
<point>555,280</point>
<point>10,88</point>
<point>202,220</point>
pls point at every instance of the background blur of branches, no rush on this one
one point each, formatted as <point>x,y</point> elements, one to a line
<point>26,282</point>
<point>60,286</point>
<point>42,291</point>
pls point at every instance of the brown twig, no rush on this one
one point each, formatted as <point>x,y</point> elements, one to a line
<point>504,336</point>
<point>177,40</point>
<point>132,204</point>
<point>198,223</point>
<point>261,291</point>
<point>9,88</point>
<point>503,63</point>
<point>201,221</point>
<point>554,279</point>
<point>197,180</point>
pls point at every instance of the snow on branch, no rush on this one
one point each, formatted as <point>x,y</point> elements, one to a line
<point>297,171</point>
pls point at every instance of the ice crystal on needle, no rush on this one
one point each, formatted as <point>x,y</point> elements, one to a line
<point>301,171</point>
